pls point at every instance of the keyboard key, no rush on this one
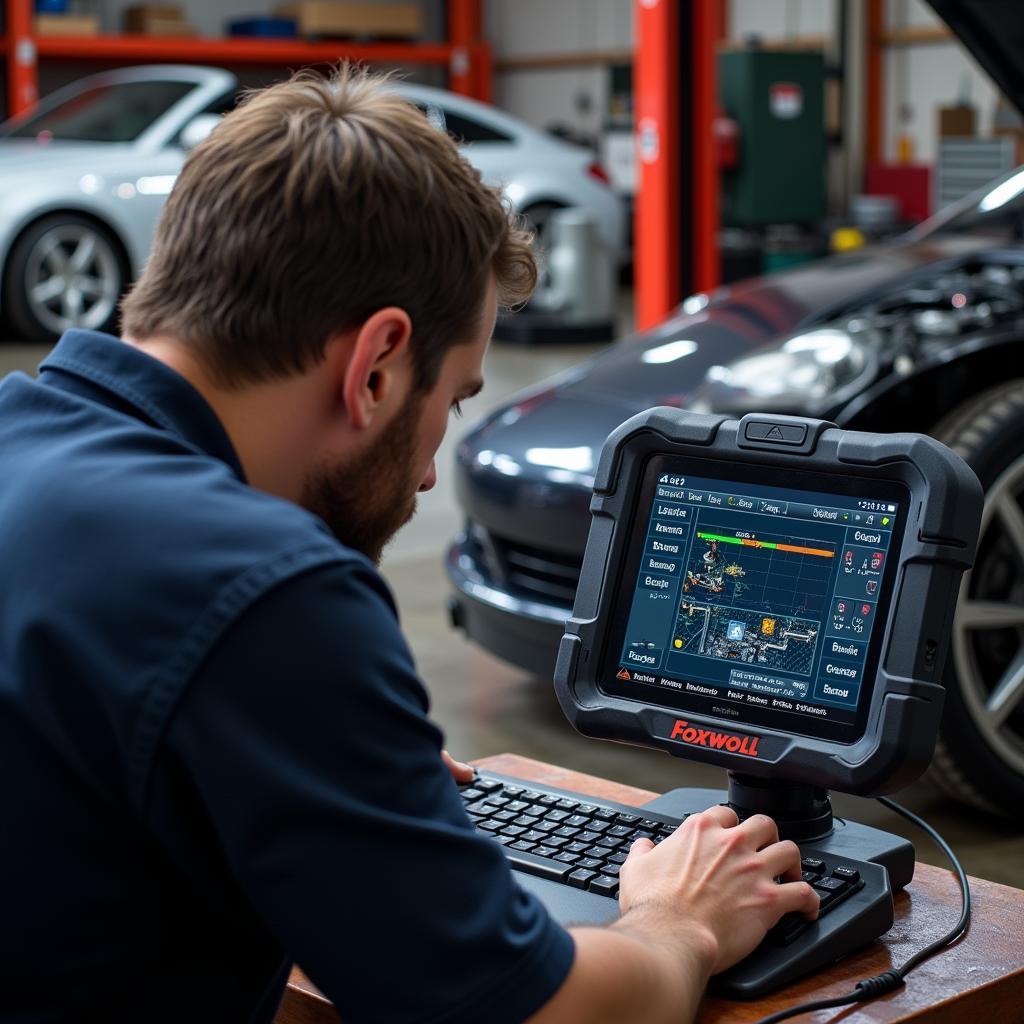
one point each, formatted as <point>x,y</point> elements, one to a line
<point>489,826</point>
<point>830,885</point>
<point>556,815</point>
<point>518,805</point>
<point>846,874</point>
<point>813,864</point>
<point>788,928</point>
<point>567,858</point>
<point>567,805</point>
<point>809,876</point>
<point>589,863</point>
<point>577,819</point>
<point>497,800</point>
<point>612,870</point>
<point>598,851</point>
<point>530,794</point>
<point>533,836</point>
<point>586,808</point>
<point>513,830</point>
<point>504,840</point>
<point>526,819</point>
<point>557,841</point>
<point>548,800</point>
<point>597,825</point>
<point>627,819</point>
<point>589,836</point>
<point>620,830</point>
<point>641,834</point>
<point>479,807</point>
<point>545,851</point>
<point>567,831</point>
<point>543,867</point>
<point>604,886</point>
<point>610,841</point>
<point>580,878</point>
<point>505,816</point>
<point>650,824</point>
<point>546,826</point>
<point>617,858</point>
<point>513,790</point>
<point>471,794</point>
<point>576,847</point>
<point>487,785</point>
<point>521,844</point>
<point>605,813</point>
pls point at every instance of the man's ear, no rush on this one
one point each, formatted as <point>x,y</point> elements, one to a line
<point>377,373</point>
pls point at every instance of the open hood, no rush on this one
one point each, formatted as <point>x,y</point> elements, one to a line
<point>993,30</point>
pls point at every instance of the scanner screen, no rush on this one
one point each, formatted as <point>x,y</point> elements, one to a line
<point>750,601</point>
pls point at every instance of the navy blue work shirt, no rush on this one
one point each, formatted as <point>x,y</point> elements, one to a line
<point>216,753</point>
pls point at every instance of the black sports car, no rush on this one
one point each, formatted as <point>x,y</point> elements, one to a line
<point>924,334</point>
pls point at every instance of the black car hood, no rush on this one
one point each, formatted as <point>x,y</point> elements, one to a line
<point>993,30</point>
<point>654,368</point>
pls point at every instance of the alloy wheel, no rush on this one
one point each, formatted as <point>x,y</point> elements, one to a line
<point>72,278</point>
<point>988,630</point>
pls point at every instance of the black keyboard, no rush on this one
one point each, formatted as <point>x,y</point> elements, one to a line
<point>574,840</point>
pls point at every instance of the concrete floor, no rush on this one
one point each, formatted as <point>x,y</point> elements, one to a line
<point>487,707</point>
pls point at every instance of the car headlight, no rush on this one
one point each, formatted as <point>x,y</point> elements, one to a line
<point>806,374</point>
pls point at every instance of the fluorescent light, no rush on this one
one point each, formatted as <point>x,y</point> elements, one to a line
<point>1003,193</point>
<point>669,352</point>
<point>577,460</point>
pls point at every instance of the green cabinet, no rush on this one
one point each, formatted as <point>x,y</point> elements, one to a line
<point>778,98</point>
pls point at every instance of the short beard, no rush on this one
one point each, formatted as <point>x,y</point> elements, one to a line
<point>368,499</point>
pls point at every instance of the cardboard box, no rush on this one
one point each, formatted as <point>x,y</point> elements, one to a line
<point>327,18</point>
<point>157,20</point>
<point>957,122</point>
<point>67,25</point>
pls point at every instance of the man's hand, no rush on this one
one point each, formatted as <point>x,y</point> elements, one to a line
<point>716,880</point>
<point>460,772</point>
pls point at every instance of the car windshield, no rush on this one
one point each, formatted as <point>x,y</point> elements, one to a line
<point>119,112</point>
<point>997,210</point>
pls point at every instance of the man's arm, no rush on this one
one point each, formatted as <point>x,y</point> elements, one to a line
<point>692,906</point>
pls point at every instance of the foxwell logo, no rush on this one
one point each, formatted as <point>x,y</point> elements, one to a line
<point>700,737</point>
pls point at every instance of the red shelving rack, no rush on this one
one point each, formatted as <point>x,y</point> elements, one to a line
<point>465,54</point>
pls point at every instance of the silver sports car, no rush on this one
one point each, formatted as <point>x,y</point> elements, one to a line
<point>84,176</point>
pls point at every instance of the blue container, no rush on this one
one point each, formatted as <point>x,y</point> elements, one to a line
<point>52,6</point>
<point>262,26</point>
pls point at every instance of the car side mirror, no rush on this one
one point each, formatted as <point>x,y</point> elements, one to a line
<point>196,130</point>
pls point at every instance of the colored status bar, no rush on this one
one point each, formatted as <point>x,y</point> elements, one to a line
<point>771,545</point>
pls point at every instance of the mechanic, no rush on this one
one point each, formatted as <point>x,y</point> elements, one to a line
<point>217,753</point>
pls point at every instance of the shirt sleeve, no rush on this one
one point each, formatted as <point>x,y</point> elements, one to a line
<point>306,737</point>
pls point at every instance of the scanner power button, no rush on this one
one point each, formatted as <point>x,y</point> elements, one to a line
<point>780,433</point>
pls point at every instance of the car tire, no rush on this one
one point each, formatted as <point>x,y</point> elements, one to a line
<point>979,758</point>
<point>64,271</point>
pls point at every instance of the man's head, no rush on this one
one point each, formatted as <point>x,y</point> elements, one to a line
<point>328,246</point>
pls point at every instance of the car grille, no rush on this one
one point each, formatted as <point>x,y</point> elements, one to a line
<point>527,571</point>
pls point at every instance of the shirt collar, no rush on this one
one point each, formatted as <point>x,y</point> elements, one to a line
<point>120,374</point>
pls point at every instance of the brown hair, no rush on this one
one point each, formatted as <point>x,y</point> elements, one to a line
<point>315,203</point>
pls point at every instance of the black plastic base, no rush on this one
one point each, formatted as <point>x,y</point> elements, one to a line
<point>847,838</point>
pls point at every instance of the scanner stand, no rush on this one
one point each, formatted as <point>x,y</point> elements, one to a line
<point>804,815</point>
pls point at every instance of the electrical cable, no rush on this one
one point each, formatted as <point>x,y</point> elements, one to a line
<point>891,980</point>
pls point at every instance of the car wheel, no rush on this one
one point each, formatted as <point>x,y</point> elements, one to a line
<point>64,271</point>
<point>980,754</point>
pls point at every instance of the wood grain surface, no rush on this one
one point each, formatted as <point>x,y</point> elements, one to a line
<point>979,980</point>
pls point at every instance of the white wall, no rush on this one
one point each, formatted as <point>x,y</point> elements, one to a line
<point>782,19</point>
<point>918,79</point>
<point>576,97</point>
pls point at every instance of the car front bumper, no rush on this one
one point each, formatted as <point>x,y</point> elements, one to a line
<point>516,628</point>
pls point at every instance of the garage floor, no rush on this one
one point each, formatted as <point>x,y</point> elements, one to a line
<point>486,707</point>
